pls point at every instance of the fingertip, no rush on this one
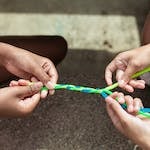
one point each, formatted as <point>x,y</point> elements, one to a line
<point>109,99</point>
<point>51,92</point>
<point>129,88</point>
<point>50,85</point>
<point>44,94</point>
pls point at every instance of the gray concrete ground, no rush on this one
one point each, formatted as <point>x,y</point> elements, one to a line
<point>70,120</point>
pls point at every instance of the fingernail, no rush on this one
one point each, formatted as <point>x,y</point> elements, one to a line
<point>49,85</point>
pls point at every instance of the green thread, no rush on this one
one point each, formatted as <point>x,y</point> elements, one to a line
<point>99,91</point>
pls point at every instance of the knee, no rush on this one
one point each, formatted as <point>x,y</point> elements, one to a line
<point>62,45</point>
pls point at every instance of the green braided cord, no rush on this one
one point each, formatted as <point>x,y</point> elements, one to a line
<point>113,86</point>
<point>77,88</point>
<point>147,115</point>
<point>99,91</point>
<point>141,72</point>
<point>91,91</point>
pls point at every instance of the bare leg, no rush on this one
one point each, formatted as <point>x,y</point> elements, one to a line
<point>52,47</point>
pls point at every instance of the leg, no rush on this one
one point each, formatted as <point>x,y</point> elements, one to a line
<point>52,47</point>
<point>146,31</point>
<point>146,40</point>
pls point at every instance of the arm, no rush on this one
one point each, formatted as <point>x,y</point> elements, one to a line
<point>126,64</point>
<point>19,101</point>
<point>136,129</point>
<point>27,65</point>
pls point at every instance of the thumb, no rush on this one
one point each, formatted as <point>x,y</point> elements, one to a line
<point>117,110</point>
<point>25,91</point>
<point>27,105</point>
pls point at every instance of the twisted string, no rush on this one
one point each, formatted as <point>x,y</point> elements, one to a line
<point>103,92</point>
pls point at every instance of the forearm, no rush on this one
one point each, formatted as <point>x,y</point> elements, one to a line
<point>5,51</point>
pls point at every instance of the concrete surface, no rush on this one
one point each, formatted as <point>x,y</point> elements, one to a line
<point>87,24</point>
<point>70,120</point>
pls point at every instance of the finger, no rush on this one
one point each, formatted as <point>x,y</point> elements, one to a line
<point>119,74</point>
<point>137,104</point>
<point>40,74</point>
<point>117,109</point>
<point>118,96</point>
<point>121,98</point>
<point>129,102</point>
<point>52,72</point>
<point>27,105</point>
<point>44,93</point>
<point>34,79</point>
<point>109,71</point>
<point>23,82</point>
<point>114,95</point>
<point>132,68</point>
<point>13,83</point>
<point>25,91</point>
<point>128,88</point>
<point>140,84</point>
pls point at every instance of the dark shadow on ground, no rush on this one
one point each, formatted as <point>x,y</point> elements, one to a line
<point>70,120</point>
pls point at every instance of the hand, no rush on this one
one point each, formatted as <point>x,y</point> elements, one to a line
<point>126,64</point>
<point>27,65</point>
<point>22,82</point>
<point>131,126</point>
<point>19,101</point>
<point>133,105</point>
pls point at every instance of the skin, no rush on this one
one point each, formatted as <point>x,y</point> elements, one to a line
<point>135,128</point>
<point>18,101</point>
<point>125,65</point>
<point>31,65</point>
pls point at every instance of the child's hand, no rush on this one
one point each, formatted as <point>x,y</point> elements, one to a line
<point>25,64</point>
<point>125,65</point>
<point>133,105</point>
<point>19,100</point>
<point>131,126</point>
<point>22,82</point>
